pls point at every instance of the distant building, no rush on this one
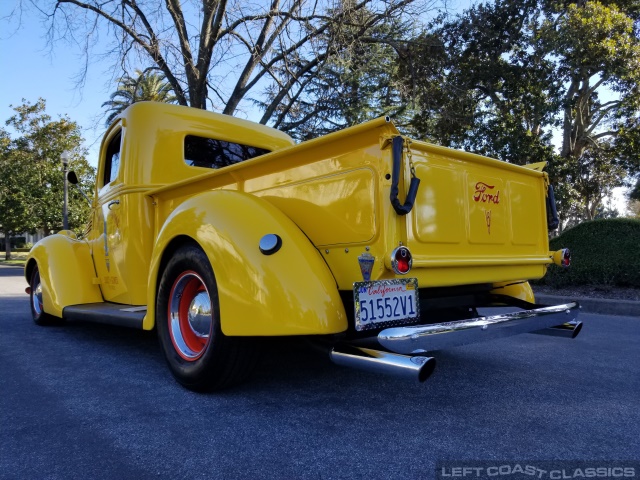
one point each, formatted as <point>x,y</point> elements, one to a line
<point>25,238</point>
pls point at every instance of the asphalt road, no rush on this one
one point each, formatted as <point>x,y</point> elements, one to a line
<point>90,401</point>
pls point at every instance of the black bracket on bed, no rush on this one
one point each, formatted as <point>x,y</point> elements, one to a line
<point>552,212</point>
<point>401,209</point>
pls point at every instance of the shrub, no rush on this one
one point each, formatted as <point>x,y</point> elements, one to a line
<point>16,242</point>
<point>603,252</point>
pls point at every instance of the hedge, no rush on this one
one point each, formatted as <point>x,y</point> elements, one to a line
<point>603,252</point>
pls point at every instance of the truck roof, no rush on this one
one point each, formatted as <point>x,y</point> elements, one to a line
<point>154,136</point>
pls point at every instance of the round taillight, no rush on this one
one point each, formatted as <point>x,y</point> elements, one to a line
<point>401,260</point>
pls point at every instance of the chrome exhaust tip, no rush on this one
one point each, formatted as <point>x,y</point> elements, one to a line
<point>414,368</point>
<point>567,330</point>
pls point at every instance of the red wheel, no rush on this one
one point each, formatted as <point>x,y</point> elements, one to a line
<point>190,316</point>
<point>199,355</point>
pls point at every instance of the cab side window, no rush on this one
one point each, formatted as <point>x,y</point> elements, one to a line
<point>212,153</point>
<point>112,160</point>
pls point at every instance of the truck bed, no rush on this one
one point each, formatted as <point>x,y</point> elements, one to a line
<point>475,219</point>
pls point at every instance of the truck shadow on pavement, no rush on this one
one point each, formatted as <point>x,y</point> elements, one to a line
<point>288,364</point>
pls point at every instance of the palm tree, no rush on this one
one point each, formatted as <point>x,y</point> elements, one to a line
<point>145,86</point>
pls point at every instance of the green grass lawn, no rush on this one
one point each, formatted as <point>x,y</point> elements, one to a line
<point>17,258</point>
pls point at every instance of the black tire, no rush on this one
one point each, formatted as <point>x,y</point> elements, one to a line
<point>37,308</point>
<point>200,356</point>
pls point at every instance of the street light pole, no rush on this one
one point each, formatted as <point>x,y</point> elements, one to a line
<point>65,168</point>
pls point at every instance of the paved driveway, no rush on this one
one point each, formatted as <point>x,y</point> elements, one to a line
<point>90,401</point>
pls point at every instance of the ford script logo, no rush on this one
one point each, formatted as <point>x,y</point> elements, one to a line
<point>485,193</point>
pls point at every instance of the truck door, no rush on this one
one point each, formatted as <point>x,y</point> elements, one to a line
<point>107,235</point>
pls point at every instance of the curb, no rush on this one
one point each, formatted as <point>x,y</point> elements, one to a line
<point>603,306</point>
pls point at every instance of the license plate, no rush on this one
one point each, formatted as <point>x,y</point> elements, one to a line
<point>385,302</point>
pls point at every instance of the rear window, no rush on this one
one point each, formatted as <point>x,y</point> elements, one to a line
<point>211,153</point>
<point>112,159</point>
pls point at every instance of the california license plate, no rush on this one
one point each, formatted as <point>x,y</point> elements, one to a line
<point>385,302</point>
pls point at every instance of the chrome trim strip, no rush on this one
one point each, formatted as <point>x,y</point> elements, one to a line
<point>426,338</point>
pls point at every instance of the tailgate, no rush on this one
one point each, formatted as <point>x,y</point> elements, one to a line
<point>476,219</point>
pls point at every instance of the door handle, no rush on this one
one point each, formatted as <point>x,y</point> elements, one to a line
<point>112,203</point>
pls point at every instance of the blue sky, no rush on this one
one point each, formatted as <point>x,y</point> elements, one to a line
<point>31,69</point>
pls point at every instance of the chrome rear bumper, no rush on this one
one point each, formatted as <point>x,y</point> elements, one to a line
<point>419,339</point>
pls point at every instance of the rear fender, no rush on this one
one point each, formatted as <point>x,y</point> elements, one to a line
<point>518,290</point>
<point>290,292</point>
<point>66,273</point>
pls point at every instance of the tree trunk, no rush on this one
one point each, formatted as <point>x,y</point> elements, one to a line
<point>7,246</point>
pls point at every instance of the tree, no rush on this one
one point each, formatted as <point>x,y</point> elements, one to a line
<point>217,53</point>
<point>15,203</point>
<point>595,47</point>
<point>634,208</point>
<point>356,81</point>
<point>594,176</point>
<point>628,149</point>
<point>146,86</point>
<point>36,174</point>
<point>481,88</point>
<point>509,75</point>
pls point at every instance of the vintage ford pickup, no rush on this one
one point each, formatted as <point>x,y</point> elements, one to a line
<point>215,230</point>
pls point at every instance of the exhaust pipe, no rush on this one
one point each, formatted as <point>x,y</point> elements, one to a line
<point>567,330</point>
<point>413,368</point>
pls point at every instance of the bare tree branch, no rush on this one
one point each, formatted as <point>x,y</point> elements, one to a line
<point>227,48</point>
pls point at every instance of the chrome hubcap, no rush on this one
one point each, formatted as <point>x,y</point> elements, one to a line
<point>190,316</point>
<point>200,315</point>
<point>36,299</point>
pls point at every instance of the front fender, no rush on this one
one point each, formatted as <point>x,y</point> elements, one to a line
<point>291,292</point>
<point>66,273</point>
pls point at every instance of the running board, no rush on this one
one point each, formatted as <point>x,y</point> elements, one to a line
<point>109,313</point>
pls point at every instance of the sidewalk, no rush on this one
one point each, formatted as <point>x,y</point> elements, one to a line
<point>8,265</point>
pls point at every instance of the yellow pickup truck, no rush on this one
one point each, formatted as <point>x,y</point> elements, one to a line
<point>215,230</point>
